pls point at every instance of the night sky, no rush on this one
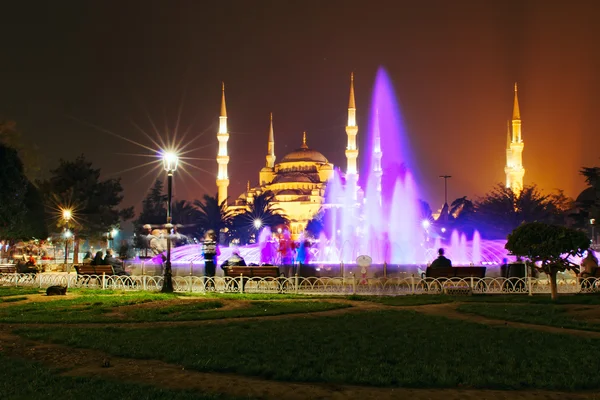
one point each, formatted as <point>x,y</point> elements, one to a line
<point>68,65</point>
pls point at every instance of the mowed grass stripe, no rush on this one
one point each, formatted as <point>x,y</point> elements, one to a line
<point>380,348</point>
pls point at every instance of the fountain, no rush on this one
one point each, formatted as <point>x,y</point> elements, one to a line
<point>385,220</point>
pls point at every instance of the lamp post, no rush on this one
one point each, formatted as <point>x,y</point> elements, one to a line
<point>593,224</point>
<point>66,214</point>
<point>111,237</point>
<point>170,161</point>
<point>445,187</point>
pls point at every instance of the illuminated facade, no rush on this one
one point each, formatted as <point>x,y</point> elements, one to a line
<point>299,180</point>
<point>514,151</point>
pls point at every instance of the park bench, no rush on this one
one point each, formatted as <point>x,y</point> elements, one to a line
<point>453,274</point>
<point>246,273</point>
<point>85,271</point>
<point>8,269</point>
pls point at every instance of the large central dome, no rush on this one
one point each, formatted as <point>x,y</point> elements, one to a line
<point>304,154</point>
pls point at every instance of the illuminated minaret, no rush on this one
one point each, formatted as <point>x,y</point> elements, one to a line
<point>271,146</point>
<point>377,154</point>
<point>267,173</point>
<point>352,131</point>
<point>222,157</point>
<point>514,153</point>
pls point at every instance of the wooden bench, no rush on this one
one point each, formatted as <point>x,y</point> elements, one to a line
<point>245,273</point>
<point>454,274</point>
<point>84,271</point>
<point>8,269</point>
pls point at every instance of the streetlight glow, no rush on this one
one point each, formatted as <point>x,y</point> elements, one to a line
<point>66,213</point>
<point>68,234</point>
<point>257,223</point>
<point>114,232</point>
<point>426,224</point>
<point>170,161</point>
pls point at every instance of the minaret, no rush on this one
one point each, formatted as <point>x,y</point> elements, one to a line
<point>222,157</point>
<point>514,153</point>
<point>377,154</point>
<point>267,173</point>
<point>351,131</point>
<point>271,146</point>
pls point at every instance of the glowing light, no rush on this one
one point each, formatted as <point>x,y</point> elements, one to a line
<point>257,223</point>
<point>426,224</point>
<point>278,230</point>
<point>170,161</point>
<point>114,232</point>
<point>67,214</point>
<point>443,230</point>
<point>68,234</point>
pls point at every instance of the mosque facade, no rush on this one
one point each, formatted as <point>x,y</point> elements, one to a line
<point>298,181</point>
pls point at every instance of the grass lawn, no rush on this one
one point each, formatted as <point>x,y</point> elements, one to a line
<point>17,291</point>
<point>20,379</point>
<point>97,307</point>
<point>381,348</point>
<point>541,314</point>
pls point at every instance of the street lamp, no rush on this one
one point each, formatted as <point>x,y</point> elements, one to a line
<point>257,223</point>
<point>170,161</point>
<point>67,214</point>
<point>593,224</point>
<point>111,237</point>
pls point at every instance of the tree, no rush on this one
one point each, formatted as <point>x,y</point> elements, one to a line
<point>588,202</point>
<point>185,216</point>
<point>76,184</point>
<point>21,208</point>
<point>154,209</point>
<point>501,210</point>
<point>212,215</point>
<point>262,209</point>
<point>548,247</point>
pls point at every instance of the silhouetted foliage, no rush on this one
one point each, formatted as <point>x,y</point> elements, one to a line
<point>154,207</point>
<point>21,206</point>
<point>95,202</point>
<point>501,210</point>
<point>262,209</point>
<point>548,247</point>
<point>212,215</point>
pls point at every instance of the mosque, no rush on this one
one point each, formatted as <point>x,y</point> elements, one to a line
<point>299,180</point>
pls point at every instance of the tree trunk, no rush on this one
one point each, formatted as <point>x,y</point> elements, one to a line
<point>553,288</point>
<point>75,251</point>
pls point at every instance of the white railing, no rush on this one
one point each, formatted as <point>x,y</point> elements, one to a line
<point>311,285</point>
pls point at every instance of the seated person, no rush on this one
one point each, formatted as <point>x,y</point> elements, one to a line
<point>87,258</point>
<point>234,261</point>
<point>441,261</point>
<point>589,265</point>
<point>98,259</point>
<point>117,264</point>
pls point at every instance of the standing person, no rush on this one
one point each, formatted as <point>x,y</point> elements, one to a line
<point>441,261</point>
<point>210,250</point>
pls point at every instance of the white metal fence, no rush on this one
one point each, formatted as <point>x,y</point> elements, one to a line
<point>311,285</point>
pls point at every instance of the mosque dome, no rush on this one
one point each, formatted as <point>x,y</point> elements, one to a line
<point>304,154</point>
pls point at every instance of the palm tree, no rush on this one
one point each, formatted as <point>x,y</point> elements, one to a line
<point>260,213</point>
<point>212,215</point>
<point>185,216</point>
